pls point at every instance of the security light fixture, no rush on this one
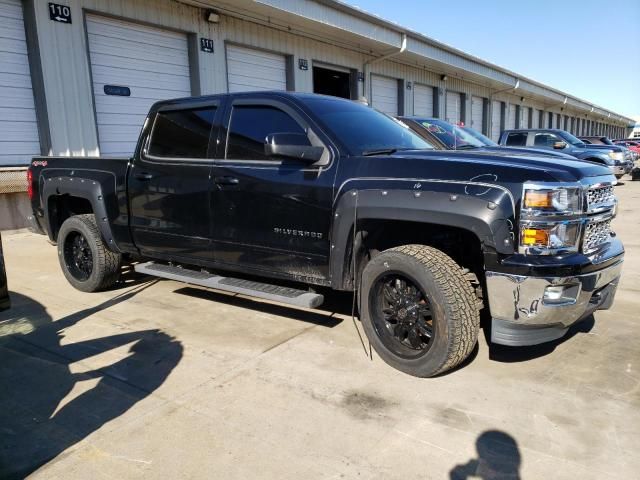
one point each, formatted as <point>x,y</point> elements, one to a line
<point>444,78</point>
<point>212,17</point>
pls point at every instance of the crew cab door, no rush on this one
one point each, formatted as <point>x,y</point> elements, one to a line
<point>270,215</point>
<point>169,187</point>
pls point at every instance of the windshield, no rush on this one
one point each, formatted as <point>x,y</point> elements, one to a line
<point>606,141</point>
<point>362,129</point>
<point>571,139</point>
<point>454,137</point>
<point>484,139</point>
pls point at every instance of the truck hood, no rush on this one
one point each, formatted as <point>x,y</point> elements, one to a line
<point>505,166</point>
<point>600,148</point>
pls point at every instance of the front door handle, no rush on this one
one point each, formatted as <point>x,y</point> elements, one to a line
<point>143,176</point>
<point>226,180</point>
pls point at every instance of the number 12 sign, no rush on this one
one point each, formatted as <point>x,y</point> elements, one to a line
<point>59,13</point>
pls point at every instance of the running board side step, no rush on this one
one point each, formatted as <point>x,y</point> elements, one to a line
<point>291,296</point>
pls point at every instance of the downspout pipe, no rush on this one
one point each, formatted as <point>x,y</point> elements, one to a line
<point>368,63</point>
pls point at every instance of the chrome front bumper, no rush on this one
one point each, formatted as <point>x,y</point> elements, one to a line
<point>530,310</point>
<point>617,169</point>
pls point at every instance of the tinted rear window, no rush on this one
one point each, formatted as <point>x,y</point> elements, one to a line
<point>182,133</point>
<point>517,139</point>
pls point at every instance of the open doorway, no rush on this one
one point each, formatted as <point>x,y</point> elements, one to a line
<point>329,81</point>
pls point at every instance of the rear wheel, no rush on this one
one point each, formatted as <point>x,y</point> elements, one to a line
<point>86,262</point>
<point>419,310</point>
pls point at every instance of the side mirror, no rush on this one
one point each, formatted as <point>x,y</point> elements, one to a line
<point>292,145</point>
<point>559,145</point>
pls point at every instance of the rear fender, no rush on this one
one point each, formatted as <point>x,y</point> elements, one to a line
<point>98,188</point>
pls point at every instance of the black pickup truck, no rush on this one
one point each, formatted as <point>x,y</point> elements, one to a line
<point>279,195</point>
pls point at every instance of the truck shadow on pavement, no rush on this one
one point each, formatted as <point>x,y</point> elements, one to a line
<point>52,394</point>
<point>498,459</point>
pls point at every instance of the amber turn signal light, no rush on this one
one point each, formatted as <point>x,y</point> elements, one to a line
<point>533,236</point>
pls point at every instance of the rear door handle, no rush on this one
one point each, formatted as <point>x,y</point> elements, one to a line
<point>226,180</point>
<point>143,176</point>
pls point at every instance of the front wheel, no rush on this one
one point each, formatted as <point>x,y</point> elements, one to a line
<point>418,310</point>
<point>86,262</point>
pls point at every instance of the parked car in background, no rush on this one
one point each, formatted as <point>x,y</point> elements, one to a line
<point>560,140</point>
<point>603,142</point>
<point>632,145</point>
<point>4,289</point>
<point>443,135</point>
<point>596,140</point>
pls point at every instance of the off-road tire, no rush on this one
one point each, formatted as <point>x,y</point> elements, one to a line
<point>453,303</point>
<point>106,264</point>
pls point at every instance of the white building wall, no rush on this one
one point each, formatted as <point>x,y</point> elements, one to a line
<point>68,91</point>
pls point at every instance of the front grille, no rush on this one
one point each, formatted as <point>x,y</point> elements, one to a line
<point>595,234</point>
<point>600,197</point>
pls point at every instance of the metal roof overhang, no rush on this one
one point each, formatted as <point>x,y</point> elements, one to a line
<point>343,25</point>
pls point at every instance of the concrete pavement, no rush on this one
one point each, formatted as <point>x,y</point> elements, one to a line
<point>159,380</point>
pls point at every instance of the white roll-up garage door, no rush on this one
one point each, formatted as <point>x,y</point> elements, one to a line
<point>511,116</point>
<point>477,113</point>
<point>496,109</point>
<point>423,100</point>
<point>454,107</point>
<point>535,119</point>
<point>384,94</point>
<point>249,69</point>
<point>524,119</point>
<point>18,127</point>
<point>152,63</point>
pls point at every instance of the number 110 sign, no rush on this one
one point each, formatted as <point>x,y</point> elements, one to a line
<point>59,13</point>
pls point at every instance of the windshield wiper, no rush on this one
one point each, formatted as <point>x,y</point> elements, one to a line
<point>379,151</point>
<point>385,151</point>
<point>465,147</point>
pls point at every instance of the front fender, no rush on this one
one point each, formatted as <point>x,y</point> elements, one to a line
<point>483,209</point>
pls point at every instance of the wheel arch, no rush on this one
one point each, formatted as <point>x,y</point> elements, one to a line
<point>485,220</point>
<point>64,196</point>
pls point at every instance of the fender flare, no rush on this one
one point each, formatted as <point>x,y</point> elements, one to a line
<point>93,190</point>
<point>487,211</point>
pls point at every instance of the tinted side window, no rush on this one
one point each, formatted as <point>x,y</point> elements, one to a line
<point>249,127</point>
<point>545,140</point>
<point>182,133</point>
<point>517,139</point>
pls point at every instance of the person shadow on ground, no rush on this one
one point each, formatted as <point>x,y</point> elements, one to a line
<point>498,459</point>
<point>45,408</point>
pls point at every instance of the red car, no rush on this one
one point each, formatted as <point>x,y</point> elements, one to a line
<point>632,145</point>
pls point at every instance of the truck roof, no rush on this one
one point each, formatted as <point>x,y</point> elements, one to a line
<point>269,93</point>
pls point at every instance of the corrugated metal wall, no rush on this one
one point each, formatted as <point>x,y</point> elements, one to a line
<point>68,91</point>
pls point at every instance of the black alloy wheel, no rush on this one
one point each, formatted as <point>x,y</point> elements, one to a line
<point>78,256</point>
<point>402,315</point>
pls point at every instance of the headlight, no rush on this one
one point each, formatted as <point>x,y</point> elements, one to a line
<point>550,219</point>
<point>619,156</point>
<point>553,236</point>
<point>556,201</point>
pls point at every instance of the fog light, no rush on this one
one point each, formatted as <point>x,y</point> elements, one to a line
<point>560,294</point>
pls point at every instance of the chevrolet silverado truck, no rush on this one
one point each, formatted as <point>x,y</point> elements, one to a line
<point>554,139</point>
<point>5,302</point>
<point>283,196</point>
